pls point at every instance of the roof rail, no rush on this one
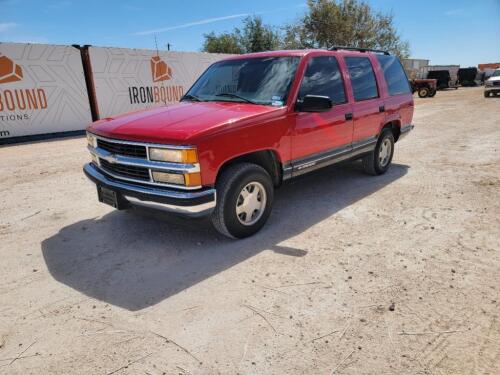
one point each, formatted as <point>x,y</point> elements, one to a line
<point>336,48</point>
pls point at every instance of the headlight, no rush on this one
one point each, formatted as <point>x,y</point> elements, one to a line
<point>91,139</point>
<point>187,179</point>
<point>187,156</point>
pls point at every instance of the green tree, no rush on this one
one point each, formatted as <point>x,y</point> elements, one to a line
<point>222,43</point>
<point>257,37</point>
<point>254,36</point>
<point>345,23</point>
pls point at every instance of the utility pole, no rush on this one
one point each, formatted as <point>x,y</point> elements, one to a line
<point>156,46</point>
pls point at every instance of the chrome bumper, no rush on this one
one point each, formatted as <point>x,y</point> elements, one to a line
<point>491,88</point>
<point>189,203</point>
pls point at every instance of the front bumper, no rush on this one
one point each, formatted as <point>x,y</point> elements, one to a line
<point>189,203</point>
<point>492,88</point>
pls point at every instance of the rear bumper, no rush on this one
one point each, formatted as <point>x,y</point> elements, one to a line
<point>188,203</point>
<point>405,130</point>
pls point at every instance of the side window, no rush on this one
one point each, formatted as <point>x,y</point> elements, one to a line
<point>364,84</point>
<point>322,77</point>
<point>395,76</point>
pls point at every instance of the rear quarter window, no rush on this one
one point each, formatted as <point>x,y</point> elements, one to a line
<point>394,74</point>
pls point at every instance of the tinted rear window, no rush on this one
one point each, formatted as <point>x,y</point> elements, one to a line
<point>364,84</point>
<point>395,76</point>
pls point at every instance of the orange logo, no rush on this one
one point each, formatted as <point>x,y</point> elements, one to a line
<point>160,70</point>
<point>9,71</point>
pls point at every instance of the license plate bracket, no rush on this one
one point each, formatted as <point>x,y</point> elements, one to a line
<point>109,197</point>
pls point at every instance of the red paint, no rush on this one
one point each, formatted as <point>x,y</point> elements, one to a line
<point>223,130</point>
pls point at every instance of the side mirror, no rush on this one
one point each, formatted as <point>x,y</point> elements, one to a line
<point>314,103</point>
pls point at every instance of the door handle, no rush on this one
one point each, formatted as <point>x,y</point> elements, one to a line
<point>381,108</point>
<point>348,116</point>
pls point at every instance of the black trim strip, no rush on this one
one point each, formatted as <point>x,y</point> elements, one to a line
<point>322,159</point>
<point>287,171</point>
<point>335,159</point>
<point>406,128</point>
<point>311,160</point>
<point>41,137</point>
<point>365,142</point>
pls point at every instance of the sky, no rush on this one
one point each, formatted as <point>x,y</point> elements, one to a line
<point>464,32</point>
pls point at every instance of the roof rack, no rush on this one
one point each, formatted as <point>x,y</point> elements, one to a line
<point>336,48</point>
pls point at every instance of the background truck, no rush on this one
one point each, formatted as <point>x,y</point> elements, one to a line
<point>492,84</point>
<point>443,78</point>
<point>447,75</point>
<point>424,87</point>
<point>468,76</point>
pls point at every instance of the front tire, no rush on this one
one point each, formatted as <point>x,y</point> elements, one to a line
<point>245,194</point>
<point>379,160</point>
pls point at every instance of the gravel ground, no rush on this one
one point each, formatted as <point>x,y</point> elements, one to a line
<point>353,274</point>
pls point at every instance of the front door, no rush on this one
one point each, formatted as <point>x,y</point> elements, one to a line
<point>319,133</point>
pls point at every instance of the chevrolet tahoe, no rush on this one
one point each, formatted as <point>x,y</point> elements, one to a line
<point>247,125</point>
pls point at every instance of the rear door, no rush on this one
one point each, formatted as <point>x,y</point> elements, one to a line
<point>368,108</point>
<point>317,133</point>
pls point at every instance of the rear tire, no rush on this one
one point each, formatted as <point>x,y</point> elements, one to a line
<point>245,195</point>
<point>423,92</point>
<point>379,160</point>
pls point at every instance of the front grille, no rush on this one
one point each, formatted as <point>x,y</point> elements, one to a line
<point>127,171</point>
<point>123,149</point>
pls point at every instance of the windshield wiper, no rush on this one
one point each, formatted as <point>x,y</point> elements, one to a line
<point>191,97</point>
<point>231,95</point>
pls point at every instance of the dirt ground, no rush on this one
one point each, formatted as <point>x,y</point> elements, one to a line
<point>353,274</point>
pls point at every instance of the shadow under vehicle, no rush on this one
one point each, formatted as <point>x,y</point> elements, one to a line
<point>135,260</point>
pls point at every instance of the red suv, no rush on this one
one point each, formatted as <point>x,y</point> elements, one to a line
<point>248,124</point>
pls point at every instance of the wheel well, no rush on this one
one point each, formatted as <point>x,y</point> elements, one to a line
<point>395,127</point>
<point>267,159</point>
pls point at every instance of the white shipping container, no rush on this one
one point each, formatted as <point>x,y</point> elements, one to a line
<point>131,79</point>
<point>42,90</point>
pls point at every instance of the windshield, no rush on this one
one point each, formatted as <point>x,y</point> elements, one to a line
<point>496,73</point>
<point>264,80</point>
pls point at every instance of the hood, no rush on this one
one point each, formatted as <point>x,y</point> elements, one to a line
<point>182,122</point>
<point>491,79</point>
